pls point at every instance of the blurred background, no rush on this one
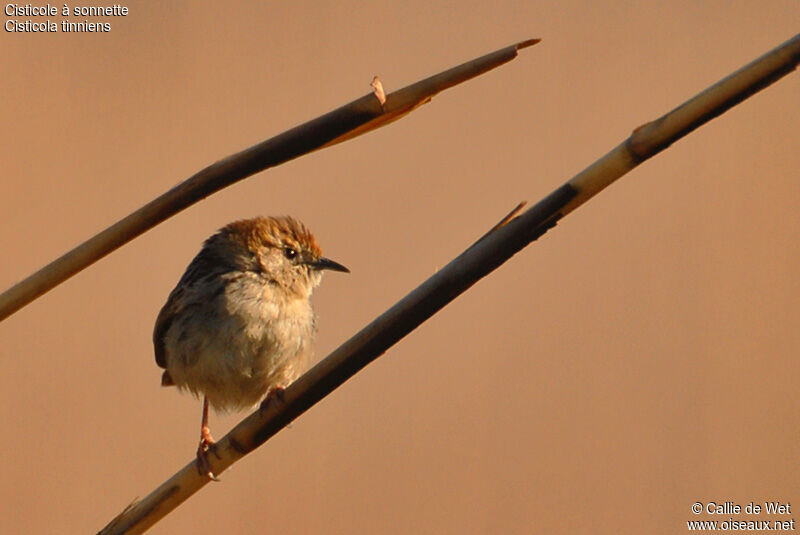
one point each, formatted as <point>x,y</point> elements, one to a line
<point>640,357</point>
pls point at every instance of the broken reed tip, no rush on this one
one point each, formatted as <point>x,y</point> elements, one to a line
<point>526,44</point>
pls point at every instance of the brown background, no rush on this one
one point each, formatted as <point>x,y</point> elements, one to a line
<point>639,358</point>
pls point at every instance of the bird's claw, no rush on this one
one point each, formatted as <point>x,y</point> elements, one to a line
<point>206,445</point>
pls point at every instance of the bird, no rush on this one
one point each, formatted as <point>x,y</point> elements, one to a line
<point>238,327</point>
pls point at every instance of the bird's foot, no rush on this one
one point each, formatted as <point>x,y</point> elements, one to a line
<point>275,394</point>
<point>207,444</point>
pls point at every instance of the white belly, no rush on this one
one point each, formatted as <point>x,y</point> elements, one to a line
<point>233,352</point>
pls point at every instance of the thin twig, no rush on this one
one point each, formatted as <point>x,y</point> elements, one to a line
<point>455,278</point>
<point>354,119</point>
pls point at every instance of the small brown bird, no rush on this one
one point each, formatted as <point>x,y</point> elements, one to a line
<point>238,327</point>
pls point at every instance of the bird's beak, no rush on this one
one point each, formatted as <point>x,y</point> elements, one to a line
<point>327,263</point>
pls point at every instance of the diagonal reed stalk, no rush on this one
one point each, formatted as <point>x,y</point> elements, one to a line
<point>498,245</point>
<point>351,120</point>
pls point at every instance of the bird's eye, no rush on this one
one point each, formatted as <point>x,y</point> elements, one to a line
<point>290,253</point>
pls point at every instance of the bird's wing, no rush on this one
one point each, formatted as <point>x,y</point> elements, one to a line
<point>165,318</point>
